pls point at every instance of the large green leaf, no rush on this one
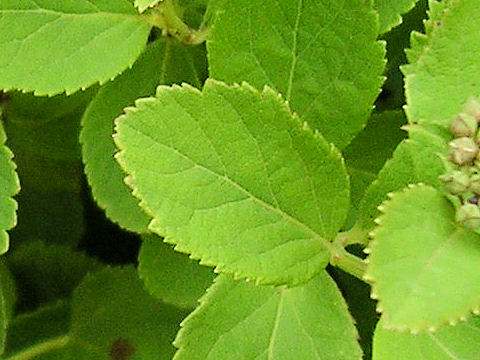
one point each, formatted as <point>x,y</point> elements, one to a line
<point>390,12</point>
<point>322,55</point>
<point>458,342</point>
<point>164,62</point>
<point>113,314</point>
<point>238,320</point>
<point>9,186</point>
<point>233,178</point>
<point>415,160</point>
<point>425,268</point>
<point>171,276</point>
<point>445,70</point>
<point>50,46</point>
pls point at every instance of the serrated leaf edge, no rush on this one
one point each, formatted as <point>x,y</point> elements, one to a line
<point>130,181</point>
<point>462,315</point>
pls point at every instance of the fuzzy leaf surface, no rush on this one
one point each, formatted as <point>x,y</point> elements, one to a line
<point>49,46</point>
<point>230,176</point>
<point>437,83</point>
<point>459,342</point>
<point>171,276</point>
<point>322,56</point>
<point>9,186</point>
<point>391,12</point>
<point>238,320</point>
<point>112,313</point>
<point>415,160</point>
<point>420,253</point>
<point>164,62</point>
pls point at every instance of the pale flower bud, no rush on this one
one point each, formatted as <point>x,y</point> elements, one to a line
<point>464,125</point>
<point>463,150</point>
<point>468,215</point>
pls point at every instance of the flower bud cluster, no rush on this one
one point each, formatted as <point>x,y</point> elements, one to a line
<point>463,179</point>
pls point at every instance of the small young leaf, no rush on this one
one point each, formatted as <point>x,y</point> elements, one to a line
<point>414,160</point>
<point>366,154</point>
<point>143,5</point>
<point>54,46</point>
<point>231,177</point>
<point>390,12</point>
<point>445,70</point>
<point>164,62</point>
<point>171,276</point>
<point>424,267</point>
<point>114,315</point>
<point>9,186</point>
<point>447,343</point>
<point>238,320</point>
<point>322,56</point>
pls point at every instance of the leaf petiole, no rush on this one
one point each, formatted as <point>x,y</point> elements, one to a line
<point>41,348</point>
<point>349,263</point>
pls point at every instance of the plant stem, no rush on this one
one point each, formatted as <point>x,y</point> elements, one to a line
<point>349,263</point>
<point>356,235</point>
<point>165,16</point>
<point>41,348</point>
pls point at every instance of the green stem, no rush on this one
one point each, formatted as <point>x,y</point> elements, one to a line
<point>349,263</point>
<point>165,16</point>
<point>41,348</point>
<point>356,235</point>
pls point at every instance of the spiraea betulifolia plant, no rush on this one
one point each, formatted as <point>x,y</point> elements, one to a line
<point>221,180</point>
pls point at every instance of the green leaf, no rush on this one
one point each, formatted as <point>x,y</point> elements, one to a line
<point>171,276</point>
<point>447,343</point>
<point>49,46</point>
<point>9,186</point>
<point>421,253</point>
<point>231,177</point>
<point>164,62</point>
<point>366,154</point>
<point>445,70</point>
<point>390,12</point>
<point>46,273</point>
<point>415,160</point>
<point>323,56</point>
<point>238,320</point>
<point>143,5</point>
<point>43,134</point>
<point>113,312</point>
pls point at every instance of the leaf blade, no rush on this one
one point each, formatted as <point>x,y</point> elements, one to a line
<point>104,37</point>
<point>258,322</point>
<point>235,179</point>
<point>418,251</point>
<point>322,62</point>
